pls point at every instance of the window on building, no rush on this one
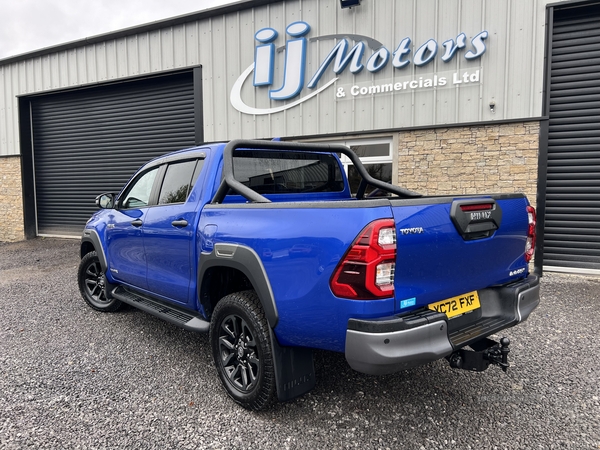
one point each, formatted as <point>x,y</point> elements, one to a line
<point>376,156</point>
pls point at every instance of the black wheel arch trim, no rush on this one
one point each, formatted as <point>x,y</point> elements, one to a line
<point>91,236</point>
<point>247,261</point>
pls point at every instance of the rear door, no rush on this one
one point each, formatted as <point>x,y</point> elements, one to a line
<point>451,246</point>
<point>169,231</point>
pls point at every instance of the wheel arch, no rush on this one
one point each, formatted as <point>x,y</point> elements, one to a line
<point>243,269</point>
<point>294,367</point>
<point>90,241</point>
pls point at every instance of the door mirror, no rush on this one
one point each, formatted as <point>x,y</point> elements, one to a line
<point>105,201</point>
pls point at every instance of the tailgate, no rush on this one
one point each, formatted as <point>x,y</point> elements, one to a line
<point>449,246</point>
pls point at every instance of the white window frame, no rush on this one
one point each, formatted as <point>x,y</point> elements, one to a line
<point>388,159</point>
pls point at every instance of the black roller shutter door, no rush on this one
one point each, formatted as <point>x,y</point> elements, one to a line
<point>91,141</point>
<point>572,226</point>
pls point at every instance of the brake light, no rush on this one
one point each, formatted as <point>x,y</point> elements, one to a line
<point>477,207</point>
<point>530,244</point>
<point>366,272</point>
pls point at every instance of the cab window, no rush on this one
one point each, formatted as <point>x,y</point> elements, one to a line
<point>138,194</point>
<point>287,172</point>
<point>179,181</point>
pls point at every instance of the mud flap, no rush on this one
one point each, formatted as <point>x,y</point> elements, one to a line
<point>294,370</point>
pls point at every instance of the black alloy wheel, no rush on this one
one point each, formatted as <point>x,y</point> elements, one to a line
<point>241,346</point>
<point>92,284</point>
<point>239,354</point>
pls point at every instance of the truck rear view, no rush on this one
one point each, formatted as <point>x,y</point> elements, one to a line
<point>392,281</point>
<point>284,259</point>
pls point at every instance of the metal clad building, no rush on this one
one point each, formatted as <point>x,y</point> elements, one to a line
<point>223,44</point>
<point>441,96</point>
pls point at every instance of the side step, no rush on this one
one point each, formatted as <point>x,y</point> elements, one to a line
<point>166,312</point>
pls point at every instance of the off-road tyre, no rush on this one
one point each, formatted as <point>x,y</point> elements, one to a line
<point>241,347</point>
<point>92,284</point>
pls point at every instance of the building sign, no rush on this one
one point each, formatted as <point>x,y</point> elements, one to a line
<point>343,57</point>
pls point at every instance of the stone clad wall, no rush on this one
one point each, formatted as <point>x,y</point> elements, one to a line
<point>471,160</point>
<point>11,200</point>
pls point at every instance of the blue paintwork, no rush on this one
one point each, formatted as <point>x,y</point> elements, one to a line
<point>299,249</point>
<point>300,244</point>
<point>439,264</point>
<point>124,247</point>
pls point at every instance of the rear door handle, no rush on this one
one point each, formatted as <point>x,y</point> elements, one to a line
<point>180,223</point>
<point>137,223</point>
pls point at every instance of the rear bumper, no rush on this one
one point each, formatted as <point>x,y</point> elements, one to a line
<point>395,343</point>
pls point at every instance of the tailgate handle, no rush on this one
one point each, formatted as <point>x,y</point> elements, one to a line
<point>476,218</point>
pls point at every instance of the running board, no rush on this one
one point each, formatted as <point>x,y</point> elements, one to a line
<point>168,313</point>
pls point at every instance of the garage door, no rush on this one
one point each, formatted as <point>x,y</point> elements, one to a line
<point>91,141</point>
<point>572,227</point>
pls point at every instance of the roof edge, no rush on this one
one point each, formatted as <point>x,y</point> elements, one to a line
<point>240,5</point>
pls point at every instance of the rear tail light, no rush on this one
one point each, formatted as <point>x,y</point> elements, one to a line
<point>530,244</point>
<point>366,272</point>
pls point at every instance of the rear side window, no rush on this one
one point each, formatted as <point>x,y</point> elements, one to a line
<point>287,172</point>
<point>179,181</point>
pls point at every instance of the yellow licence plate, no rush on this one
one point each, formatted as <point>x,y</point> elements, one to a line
<point>458,305</point>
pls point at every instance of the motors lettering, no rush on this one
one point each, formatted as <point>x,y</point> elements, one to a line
<point>342,56</point>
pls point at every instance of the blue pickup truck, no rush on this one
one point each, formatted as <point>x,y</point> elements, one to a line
<point>265,246</point>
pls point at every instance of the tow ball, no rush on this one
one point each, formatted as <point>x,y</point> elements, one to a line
<point>484,352</point>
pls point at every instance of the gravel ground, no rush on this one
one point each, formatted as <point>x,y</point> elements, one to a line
<point>71,377</point>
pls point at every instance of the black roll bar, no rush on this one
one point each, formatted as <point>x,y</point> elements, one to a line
<point>228,180</point>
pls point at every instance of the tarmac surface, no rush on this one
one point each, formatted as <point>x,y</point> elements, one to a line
<point>73,378</point>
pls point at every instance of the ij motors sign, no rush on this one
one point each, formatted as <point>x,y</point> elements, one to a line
<point>366,54</point>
